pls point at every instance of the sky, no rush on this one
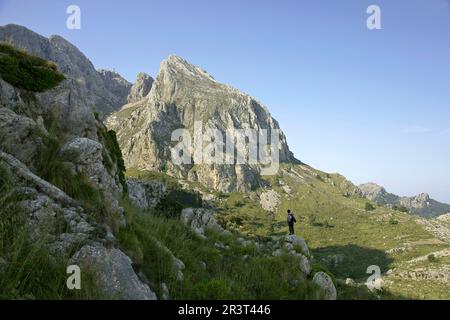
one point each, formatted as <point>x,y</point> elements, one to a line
<point>373,105</point>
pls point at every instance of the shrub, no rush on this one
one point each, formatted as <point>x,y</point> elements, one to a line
<point>369,206</point>
<point>26,71</point>
<point>393,221</point>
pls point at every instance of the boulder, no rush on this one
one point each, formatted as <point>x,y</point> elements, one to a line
<point>298,242</point>
<point>325,282</point>
<point>145,195</point>
<point>200,220</point>
<point>113,271</point>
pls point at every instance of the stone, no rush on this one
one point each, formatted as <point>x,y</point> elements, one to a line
<point>299,242</point>
<point>115,276</point>
<point>200,220</point>
<point>326,284</point>
<point>164,292</point>
<point>269,200</point>
<point>145,195</point>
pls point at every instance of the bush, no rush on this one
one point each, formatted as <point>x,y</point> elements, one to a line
<point>26,71</point>
<point>369,206</point>
<point>393,221</point>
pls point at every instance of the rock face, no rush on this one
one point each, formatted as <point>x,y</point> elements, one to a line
<point>116,84</point>
<point>85,90</point>
<point>181,96</point>
<point>421,204</point>
<point>140,88</point>
<point>145,195</point>
<point>79,142</point>
<point>19,135</point>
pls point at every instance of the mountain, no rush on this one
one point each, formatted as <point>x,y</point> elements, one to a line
<point>73,192</point>
<point>102,91</point>
<point>140,88</point>
<point>421,204</point>
<point>181,96</point>
<point>65,203</point>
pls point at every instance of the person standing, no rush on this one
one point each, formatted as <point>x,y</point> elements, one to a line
<point>291,220</point>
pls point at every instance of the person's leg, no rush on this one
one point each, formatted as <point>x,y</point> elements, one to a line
<point>291,229</point>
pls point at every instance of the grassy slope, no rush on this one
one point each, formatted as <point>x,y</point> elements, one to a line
<point>338,226</point>
<point>237,272</point>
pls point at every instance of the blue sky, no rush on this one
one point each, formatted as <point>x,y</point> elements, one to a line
<point>371,105</point>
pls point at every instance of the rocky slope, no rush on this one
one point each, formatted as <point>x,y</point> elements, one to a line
<point>421,204</point>
<point>63,176</point>
<point>61,180</point>
<point>182,95</point>
<point>85,88</point>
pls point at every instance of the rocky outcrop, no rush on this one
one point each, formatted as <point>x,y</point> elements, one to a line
<point>299,242</point>
<point>46,206</point>
<point>421,205</point>
<point>140,88</point>
<point>20,135</point>
<point>114,273</point>
<point>116,84</point>
<point>181,96</point>
<point>86,90</point>
<point>269,200</point>
<point>85,156</point>
<point>200,220</point>
<point>325,282</point>
<point>145,195</point>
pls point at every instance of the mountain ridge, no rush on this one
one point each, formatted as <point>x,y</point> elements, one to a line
<point>420,204</point>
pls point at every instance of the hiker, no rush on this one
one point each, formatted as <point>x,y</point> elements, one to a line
<point>291,220</point>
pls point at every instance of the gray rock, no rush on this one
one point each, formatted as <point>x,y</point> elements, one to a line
<point>19,135</point>
<point>200,220</point>
<point>145,195</point>
<point>114,274</point>
<point>324,281</point>
<point>164,292</point>
<point>140,88</point>
<point>85,89</point>
<point>298,241</point>
<point>269,200</point>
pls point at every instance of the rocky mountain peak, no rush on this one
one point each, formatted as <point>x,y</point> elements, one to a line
<point>177,66</point>
<point>372,190</point>
<point>182,95</point>
<point>140,88</point>
<point>85,87</point>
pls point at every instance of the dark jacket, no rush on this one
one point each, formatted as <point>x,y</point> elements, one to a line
<point>291,219</point>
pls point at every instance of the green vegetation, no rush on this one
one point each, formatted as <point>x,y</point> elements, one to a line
<point>26,71</point>
<point>27,268</point>
<point>340,232</point>
<point>235,273</point>
<point>369,206</point>
<point>113,155</point>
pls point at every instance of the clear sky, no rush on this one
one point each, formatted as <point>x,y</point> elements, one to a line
<point>373,105</point>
